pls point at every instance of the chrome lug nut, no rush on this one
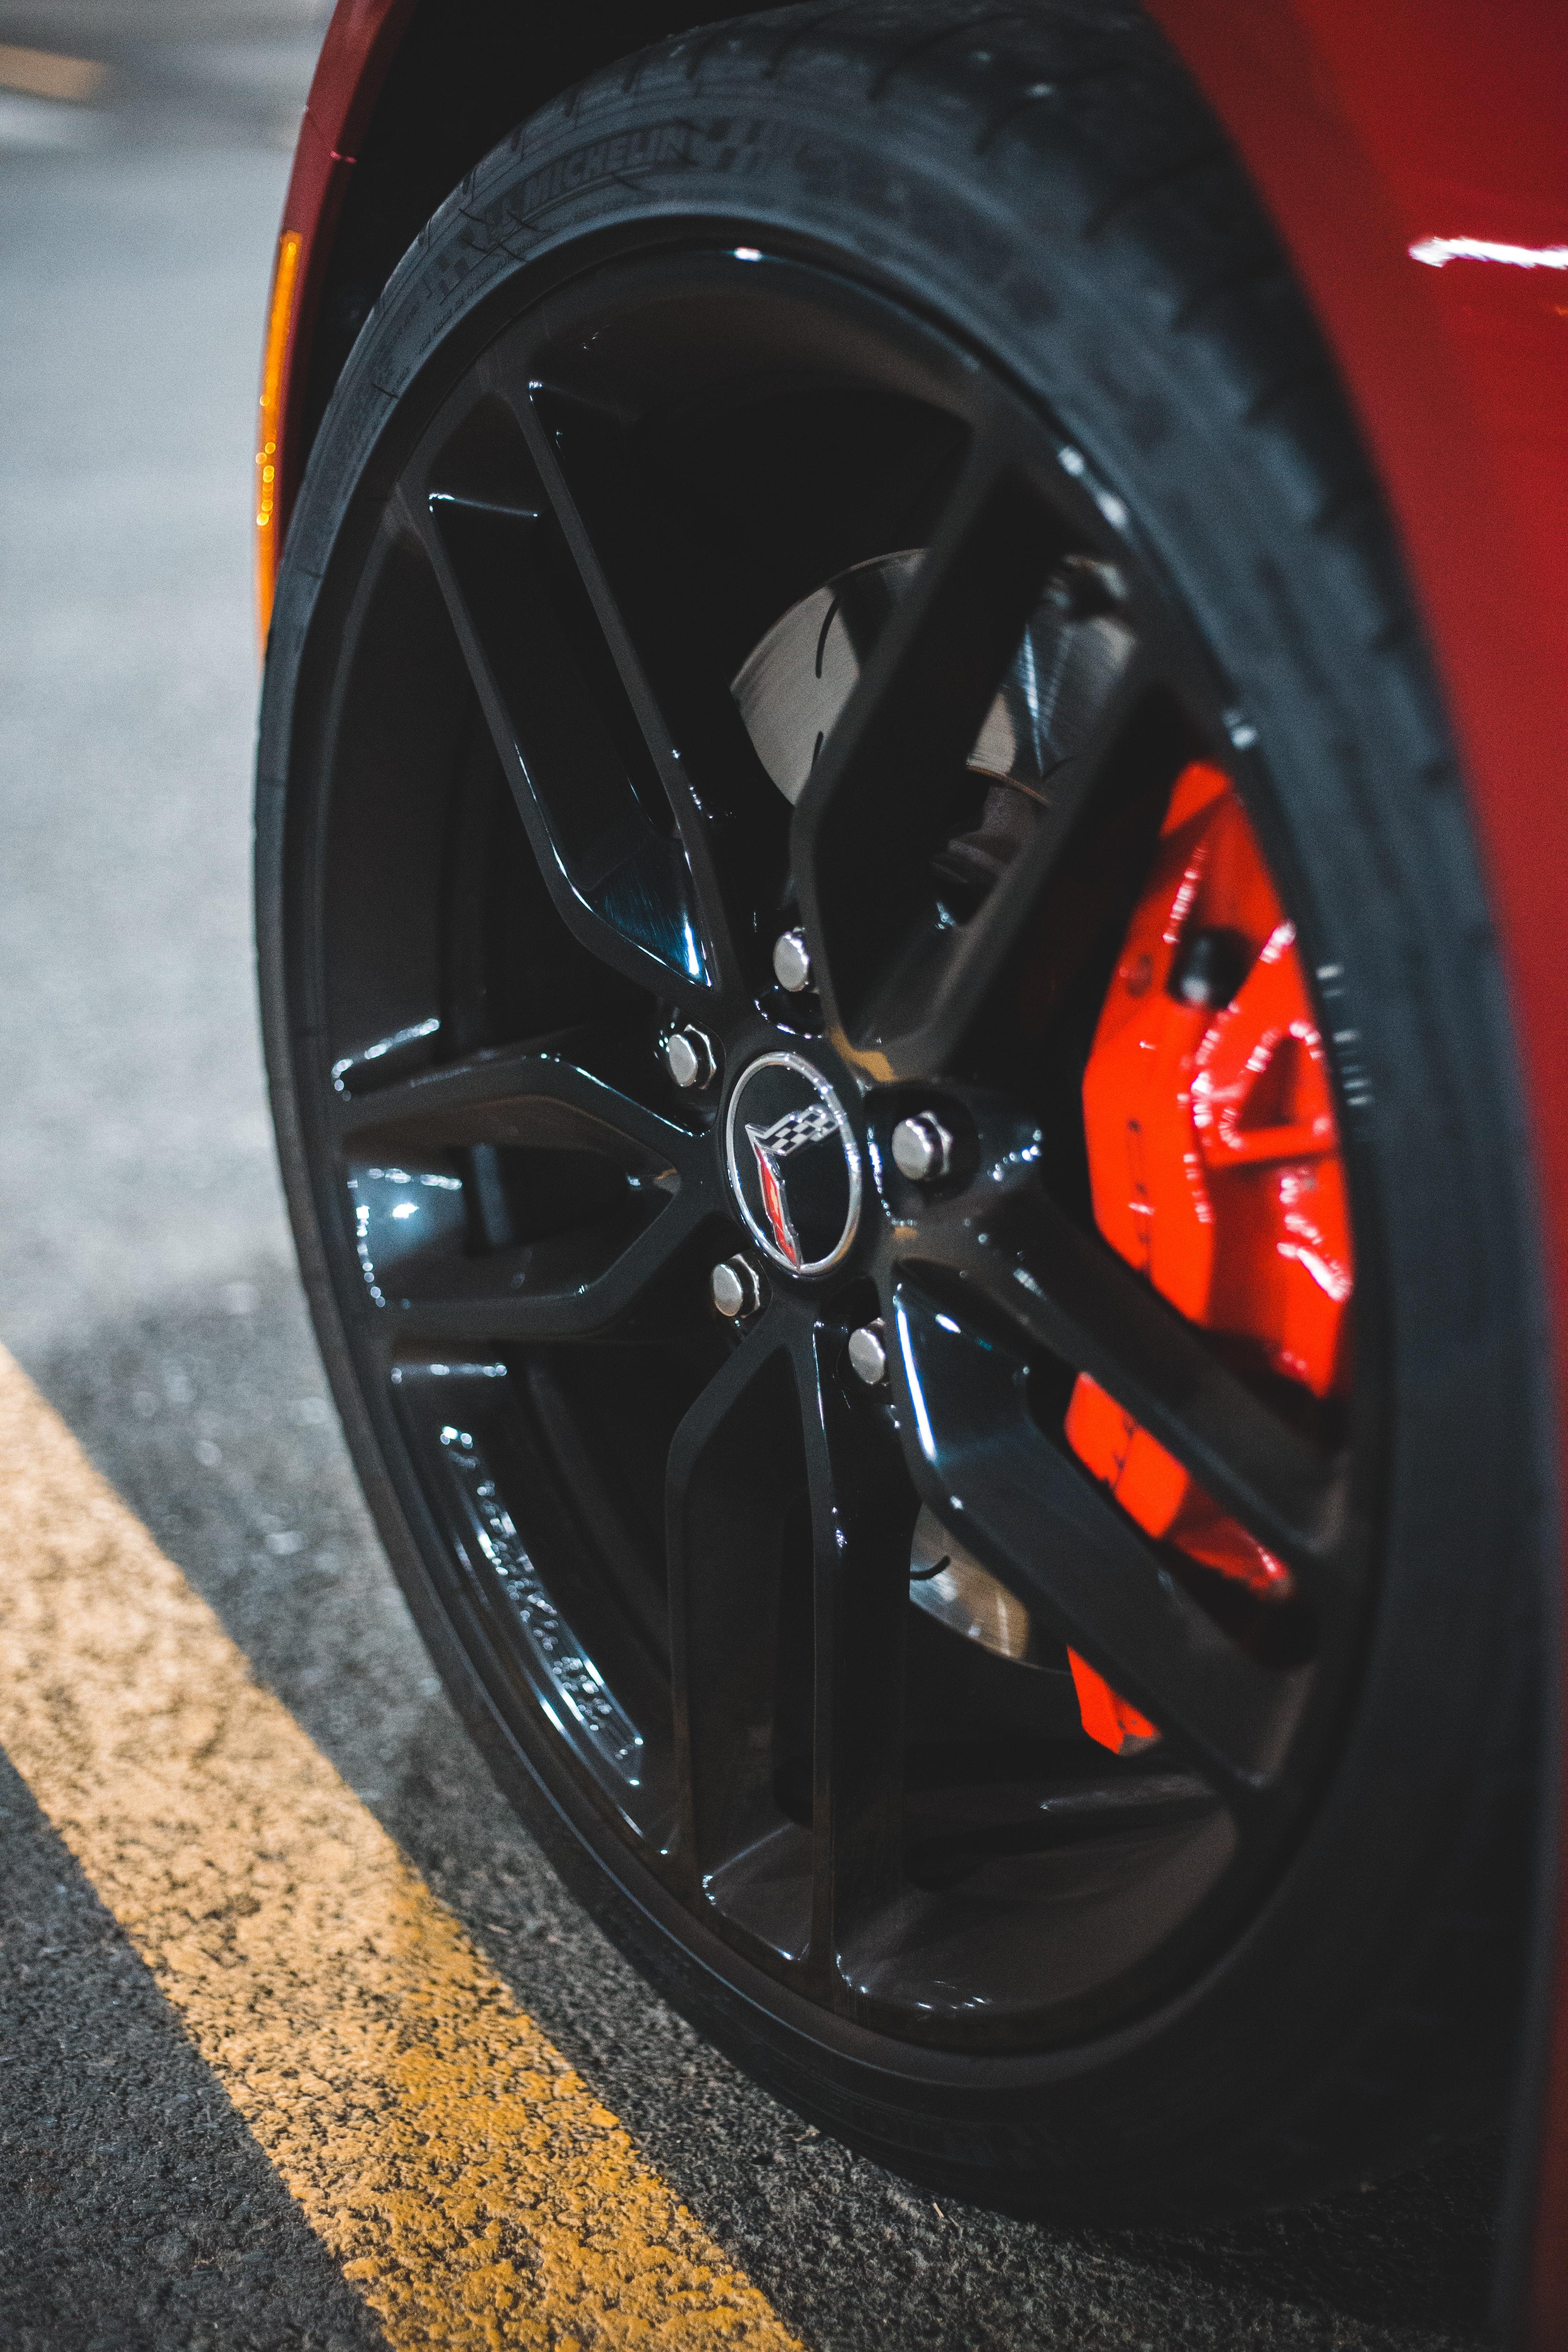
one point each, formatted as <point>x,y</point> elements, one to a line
<point>792,964</point>
<point>689,1058</point>
<point>869,1354</point>
<point>922,1147</point>
<point>736,1287</point>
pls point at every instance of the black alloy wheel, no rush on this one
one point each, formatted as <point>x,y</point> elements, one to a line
<point>754,597</point>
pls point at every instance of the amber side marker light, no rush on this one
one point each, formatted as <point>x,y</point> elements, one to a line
<point>269,425</point>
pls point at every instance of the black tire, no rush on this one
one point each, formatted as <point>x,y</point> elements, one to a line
<point>1042,190</point>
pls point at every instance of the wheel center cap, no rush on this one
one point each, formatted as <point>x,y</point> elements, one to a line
<point>795,1165</point>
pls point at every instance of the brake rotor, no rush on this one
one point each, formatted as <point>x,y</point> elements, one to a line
<point>797,678</point>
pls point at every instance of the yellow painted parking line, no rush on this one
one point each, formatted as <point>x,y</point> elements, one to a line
<point>468,2180</point>
<point>42,73</point>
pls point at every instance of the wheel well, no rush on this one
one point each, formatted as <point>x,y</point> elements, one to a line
<point>462,77</point>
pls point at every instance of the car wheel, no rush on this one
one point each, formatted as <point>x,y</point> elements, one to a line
<point>898,1109</point>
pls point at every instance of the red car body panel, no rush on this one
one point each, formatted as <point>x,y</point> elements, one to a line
<point>360,42</point>
<point>1367,131</point>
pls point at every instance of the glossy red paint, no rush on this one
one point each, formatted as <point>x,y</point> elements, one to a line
<point>360,42</point>
<point>1214,1160</point>
<point>1213,1152</point>
<point>1367,130</point>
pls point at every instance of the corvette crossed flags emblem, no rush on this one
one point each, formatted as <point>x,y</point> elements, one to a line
<point>773,1146</point>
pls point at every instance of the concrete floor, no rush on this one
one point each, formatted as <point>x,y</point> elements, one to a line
<point>146,1283</point>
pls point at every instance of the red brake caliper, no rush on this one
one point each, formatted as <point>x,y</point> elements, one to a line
<point>1214,1164</point>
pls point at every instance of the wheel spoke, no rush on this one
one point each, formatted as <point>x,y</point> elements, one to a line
<point>523,1095</point>
<point>553,1296</point>
<point>621,884</point>
<point>722,914</point>
<point>881,794</point>
<point>731,822</point>
<point>1055,1538</point>
<point>733,1470</point>
<point>938,984</point>
<point>861,1517</point>
<point>1020,1256</point>
<point>515,1196</point>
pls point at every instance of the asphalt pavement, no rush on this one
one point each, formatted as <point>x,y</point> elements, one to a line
<point>146,1285</point>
